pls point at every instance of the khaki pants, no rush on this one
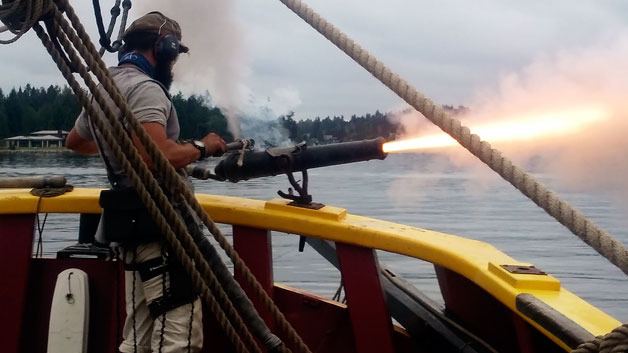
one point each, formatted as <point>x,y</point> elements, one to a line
<point>179,330</point>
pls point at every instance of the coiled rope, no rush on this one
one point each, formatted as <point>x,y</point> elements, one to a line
<point>614,342</point>
<point>20,15</point>
<point>574,220</point>
<point>149,191</point>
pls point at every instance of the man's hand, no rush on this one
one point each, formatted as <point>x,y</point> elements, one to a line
<point>214,145</point>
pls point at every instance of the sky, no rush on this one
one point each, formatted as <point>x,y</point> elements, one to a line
<point>250,54</point>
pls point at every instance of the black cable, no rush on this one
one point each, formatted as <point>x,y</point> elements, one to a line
<point>104,40</point>
<point>39,252</point>
<point>116,45</point>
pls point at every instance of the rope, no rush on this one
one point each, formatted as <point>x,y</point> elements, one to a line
<point>614,342</point>
<point>51,192</point>
<point>564,213</point>
<point>20,15</point>
<point>41,193</point>
<point>574,220</point>
<point>169,212</point>
<point>173,182</point>
<point>105,36</point>
<point>170,178</point>
<point>167,174</point>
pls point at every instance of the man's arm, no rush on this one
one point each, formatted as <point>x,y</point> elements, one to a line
<point>78,144</point>
<point>179,155</point>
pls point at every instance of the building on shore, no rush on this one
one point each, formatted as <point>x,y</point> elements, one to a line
<point>43,139</point>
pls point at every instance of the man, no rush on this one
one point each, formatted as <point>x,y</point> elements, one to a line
<point>163,311</point>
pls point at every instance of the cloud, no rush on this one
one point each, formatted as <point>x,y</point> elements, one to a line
<point>447,50</point>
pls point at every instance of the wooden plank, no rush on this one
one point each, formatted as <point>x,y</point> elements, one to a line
<point>370,319</point>
<point>16,246</point>
<point>255,248</point>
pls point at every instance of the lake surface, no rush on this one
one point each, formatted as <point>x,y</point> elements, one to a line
<point>421,190</point>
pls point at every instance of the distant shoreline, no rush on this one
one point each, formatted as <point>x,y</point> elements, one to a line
<point>35,150</point>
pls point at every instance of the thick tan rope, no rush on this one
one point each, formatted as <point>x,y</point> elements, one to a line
<point>173,182</point>
<point>171,177</point>
<point>169,212</point>
<point>213,283</point>
<point>481,149</point>
<point>614,342</point>
<point>21,15</point>
<point>574,220</point>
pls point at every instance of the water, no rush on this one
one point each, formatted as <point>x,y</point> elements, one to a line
<point>407,189</point>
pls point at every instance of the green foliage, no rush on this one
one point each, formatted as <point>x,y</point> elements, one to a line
<point>197,118</point>
<point>338,129</point>
<point>29,109</point>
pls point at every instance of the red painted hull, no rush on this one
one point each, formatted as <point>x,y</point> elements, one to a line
<point>324,325</point>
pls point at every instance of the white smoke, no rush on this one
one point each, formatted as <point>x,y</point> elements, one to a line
<point>280,102</point>
<point>595,159</point>
<point>260,121</point>
<point>217,61</point>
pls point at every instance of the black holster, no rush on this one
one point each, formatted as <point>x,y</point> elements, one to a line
<point>125,219</point>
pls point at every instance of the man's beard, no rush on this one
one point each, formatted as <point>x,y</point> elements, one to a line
<point>163,73</point>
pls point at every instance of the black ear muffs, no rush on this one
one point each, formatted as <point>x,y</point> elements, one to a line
<point>167,48</point>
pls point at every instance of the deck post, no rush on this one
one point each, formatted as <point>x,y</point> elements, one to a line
<point>16,247</point>
<point>370,319</point>
<point>525,340</point>
<point>254,247</point>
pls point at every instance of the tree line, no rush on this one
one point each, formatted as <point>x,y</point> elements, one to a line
<point>339,129</point>
<point>28,109</point>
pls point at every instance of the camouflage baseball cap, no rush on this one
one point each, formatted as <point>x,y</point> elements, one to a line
<point>158,23</point>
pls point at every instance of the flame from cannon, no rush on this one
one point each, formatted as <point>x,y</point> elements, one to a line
<point>512,129</point>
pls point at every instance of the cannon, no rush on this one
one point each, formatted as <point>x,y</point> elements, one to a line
<point>243,164</point>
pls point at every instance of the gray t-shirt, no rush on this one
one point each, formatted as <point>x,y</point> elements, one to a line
<point>149,102</point>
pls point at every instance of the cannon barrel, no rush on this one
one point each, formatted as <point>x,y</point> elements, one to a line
<point>275,161</point>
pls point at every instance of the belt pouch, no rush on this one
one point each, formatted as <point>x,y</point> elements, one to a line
<point>125,218</point>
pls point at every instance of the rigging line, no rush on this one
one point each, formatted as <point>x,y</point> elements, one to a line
<point>104,40</point>
<point>39,250</point>
<point>115,12</point>
<point>27,15</point>
<point>173,182</point>
<point>105,36</point>
<point>78,90</point>
<point>126,6</point>
<point>599,239</point>
<point>179,248</point>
